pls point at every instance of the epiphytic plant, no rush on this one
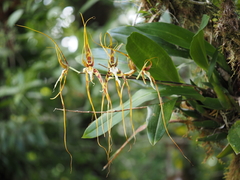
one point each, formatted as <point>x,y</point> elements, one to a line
<point>212,109</point>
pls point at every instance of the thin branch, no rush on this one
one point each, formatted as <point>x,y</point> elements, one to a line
<point>199,3</point>
<point>99,112</point>
<point>212,118</point>
<point>141,128</point>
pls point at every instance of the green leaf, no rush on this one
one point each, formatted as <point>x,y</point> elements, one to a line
<point>204,22</point>
<point>234,137</point>
<point>199,48</point>
<point>122,33</point>
<point>155,124</point>
<point>226,151</point>
<point>14,17</point>
<point>212,103</point>
<point>212,65</point>
<point>186,91</point>
<point>191,113</point>
<point>169,32</point>
<point>214,137</point>
<point>198,51</point>
<point>140,48</point>
<point>221,95</point>
<point>205,124</point>
<point>100,126</point>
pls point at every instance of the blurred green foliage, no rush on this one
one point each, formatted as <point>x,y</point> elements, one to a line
<point>31,133</point>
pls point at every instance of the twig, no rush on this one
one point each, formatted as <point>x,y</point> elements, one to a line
<point>141,128</point>
<point>99,112</point>
<point>199,3</point>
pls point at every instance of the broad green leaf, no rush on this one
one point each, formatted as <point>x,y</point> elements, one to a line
<point>214,137</point>
<point>122,33</point>
<point>206,48</point>
<point>226,151</point>
<point>180,89</point>
<point>212,65</point>
<point>191,113</point>
<point>198,50</point>
<point>204,22</point>
<point>139,98</point>
<point>212,103</point>
<point>234,137</point>
<point>186,91</point>
<point>14,17</point>
<point>168,32</point>
<point>205,124</point>
<point>100,126</point>
<point>140,49</point>
<point>221,95</point>
<point>198,46</point>
<point>155,124</point>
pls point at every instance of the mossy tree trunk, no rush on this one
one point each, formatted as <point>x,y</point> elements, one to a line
<point>222,31</point>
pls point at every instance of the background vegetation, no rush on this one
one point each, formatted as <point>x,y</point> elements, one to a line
<point>31,134</point>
